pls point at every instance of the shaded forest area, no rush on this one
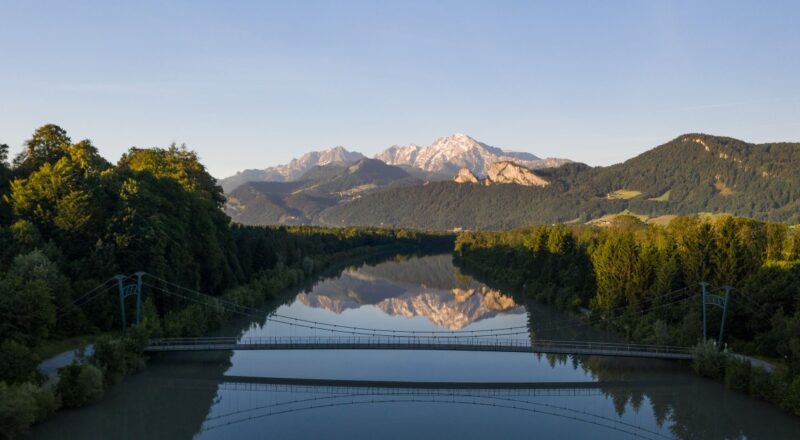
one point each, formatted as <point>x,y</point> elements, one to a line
<point>70,220</point>
<point>641,281</point>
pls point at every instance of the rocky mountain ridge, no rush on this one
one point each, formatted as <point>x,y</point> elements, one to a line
<point>503,173</point>
<point>437,161</point>
<point>295,169</point>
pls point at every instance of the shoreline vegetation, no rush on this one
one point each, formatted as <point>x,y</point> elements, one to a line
<point>70,219</point>
<point>641,282</point>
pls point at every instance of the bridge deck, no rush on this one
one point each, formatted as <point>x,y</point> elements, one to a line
<point>420,343</point>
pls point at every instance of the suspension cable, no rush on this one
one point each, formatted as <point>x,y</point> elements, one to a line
<point>74,302</point>
<point>370,332</point>
<point>414,332</point>
<point>350,332</point>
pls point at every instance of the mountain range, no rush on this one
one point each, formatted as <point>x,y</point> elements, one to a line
<point>292,170</point>
<point>693,173</point>
<point>437,161</point>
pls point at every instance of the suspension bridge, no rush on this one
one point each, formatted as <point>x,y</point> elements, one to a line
<point>342,337</point>
<point>420,343</point>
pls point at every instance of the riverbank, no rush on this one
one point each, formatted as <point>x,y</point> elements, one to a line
<point>85,379</point>
<point>741,373</point>
<point>635,280</point>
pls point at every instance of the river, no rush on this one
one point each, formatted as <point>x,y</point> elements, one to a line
<point>225,395</point>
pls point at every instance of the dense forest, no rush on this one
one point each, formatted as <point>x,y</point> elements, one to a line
<point>70,220</point>
<point>691,174</point>
<point>641,281</point>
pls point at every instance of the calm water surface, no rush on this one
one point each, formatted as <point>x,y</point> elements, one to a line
<point>228,395</point>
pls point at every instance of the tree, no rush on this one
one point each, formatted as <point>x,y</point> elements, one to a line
<point>728,254</point>
<point>47,145</point>
<point>17,362</point>
<point>36,266</point>
<point>3,155</point>
<point>178,163</point>
<point>777,234</point>
<point>621,272</point>
<point>79,384</point>
<point>65,199</point>
<point>5,176</point>
<point>696,247</point>
<point>27,312</point>
<point>17,409</point>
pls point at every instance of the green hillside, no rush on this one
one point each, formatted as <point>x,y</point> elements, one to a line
<point>700,173</point>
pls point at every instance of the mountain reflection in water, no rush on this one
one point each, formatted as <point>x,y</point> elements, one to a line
<point>430,287</point>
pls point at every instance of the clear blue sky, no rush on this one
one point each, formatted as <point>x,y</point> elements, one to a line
<point>252,84</point>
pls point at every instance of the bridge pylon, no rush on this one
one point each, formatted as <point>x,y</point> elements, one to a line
<point>720,301</point>
<point>127,289</point>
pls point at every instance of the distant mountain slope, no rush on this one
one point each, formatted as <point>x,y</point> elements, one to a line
<point>364,175</point>
<point>322,187</point>
<point>264,203</point>
<point>293,170</point>
<point>448,205</point>
<point>697,172</point>
<point>690,174</point>
<point>448,154</point>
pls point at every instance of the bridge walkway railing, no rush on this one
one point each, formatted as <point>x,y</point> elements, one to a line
<point>411,342</point>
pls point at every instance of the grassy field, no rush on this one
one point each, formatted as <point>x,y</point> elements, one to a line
<point>623,194</point>
<point>608,218</point>
<point>662,220</point>
<point>662,198</point>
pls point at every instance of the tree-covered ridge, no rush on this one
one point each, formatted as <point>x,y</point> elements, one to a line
<point>691,174</point>
<point>70,220</point>
<point>642,282</point>
<point>708,173</point>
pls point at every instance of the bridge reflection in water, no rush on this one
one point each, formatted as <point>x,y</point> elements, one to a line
<point>235,406</point>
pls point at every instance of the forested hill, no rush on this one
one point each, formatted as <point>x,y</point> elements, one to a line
<point>693,173</point>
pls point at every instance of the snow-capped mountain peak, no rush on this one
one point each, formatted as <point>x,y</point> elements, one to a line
<point>449,154</point>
